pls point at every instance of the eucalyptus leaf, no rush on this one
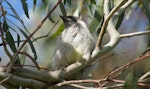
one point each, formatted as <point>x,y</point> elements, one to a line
<point>146,8</point>
<point>25,7</point>
<point>18,40</point>
<point>69,3</point>
<point>50,17</point>
<point>131,81</point>
<point>30,43</point>
<point>17,16</point>
<point>120,19</point>
<point>62,8</point>
<point>23,57</point>
<point>93,1</point>
<point>10,41</point>
<point>5,26</point>
<point>34,4</point>
<point>97,16</point>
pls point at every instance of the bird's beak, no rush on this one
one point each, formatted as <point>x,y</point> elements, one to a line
<point>64,18</point>
<point>61,16</point>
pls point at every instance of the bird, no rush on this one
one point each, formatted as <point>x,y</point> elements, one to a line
<point>74,44</point>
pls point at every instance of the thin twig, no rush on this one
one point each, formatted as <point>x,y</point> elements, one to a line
<point>80,86</point>
<point>79,81</point>
<point>127,65</point>
<point>123,82</point>
<point>134,34</point>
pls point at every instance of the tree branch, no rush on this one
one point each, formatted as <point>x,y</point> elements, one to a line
<point>145,75</point>
<point>25,77</point>
<point>107,19</point>
<point>19,81</point>
<point>123,8</point>
<point>134,34</point>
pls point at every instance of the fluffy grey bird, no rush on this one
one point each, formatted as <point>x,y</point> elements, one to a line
<point>73,44</point>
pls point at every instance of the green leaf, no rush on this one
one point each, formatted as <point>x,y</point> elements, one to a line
<point>44,1</point>
<point>111,4</point>
<point>12,27</point>
<point>23,57</point>
<point>69,3</point>
<point>10,41</point>
<point>146,8</point>
<point>5,26</point>
<point>97,16</point>
<point>18,40</point>
<point>34,4</point>
<point>120,19</point>
<point>100,25</point>
<point>30,43</point>
<point>93,1</point>
<point>62,8</point>
<point>17,16</point>
<point>25,7</point>
<point>64,2</point>
<point>131,81</point>
<point>50,17</point>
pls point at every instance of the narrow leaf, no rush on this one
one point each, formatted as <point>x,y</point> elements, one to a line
<point>18,40</point>
<point>69,2</point>
<point>30,43</point>
<point>64,2</point>
<point>100,25</point>
<point>44,1</point>
<point>50,17</point>
<point>5,26</point>
<point>131,81</point>
<point>25,7</point>
<point>120,19</point>
<point>17,16</point>
<point>62,8</point>
<point>10,41</point>
<point>146,8</point>
<point>34,5</point>
<point>97,16</point>
<point>12,27</point>
<point>93,1</point>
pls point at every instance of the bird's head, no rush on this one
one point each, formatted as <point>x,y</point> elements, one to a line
<point>70,21</point>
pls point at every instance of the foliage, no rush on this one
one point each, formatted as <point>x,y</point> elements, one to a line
<point>15,34</point>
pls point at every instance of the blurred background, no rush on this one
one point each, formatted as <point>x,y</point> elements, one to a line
<point>135,19</point>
